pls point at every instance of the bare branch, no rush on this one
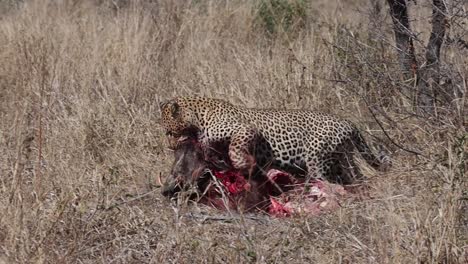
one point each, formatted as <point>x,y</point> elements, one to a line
<point>403,38</point>
<point>439,24</point>
<point>429,76</point>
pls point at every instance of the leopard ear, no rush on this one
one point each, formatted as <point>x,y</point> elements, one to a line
<point>172,105</point>
<point>164,104</point>
<point>175,109</point>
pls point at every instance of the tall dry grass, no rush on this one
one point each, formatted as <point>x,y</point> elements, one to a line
<point>81,148</point>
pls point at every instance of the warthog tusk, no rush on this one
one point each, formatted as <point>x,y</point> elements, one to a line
<point>158,180</point>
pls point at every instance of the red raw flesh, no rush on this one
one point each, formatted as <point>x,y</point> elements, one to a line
<point>234,182</point>
<point>318,197</point>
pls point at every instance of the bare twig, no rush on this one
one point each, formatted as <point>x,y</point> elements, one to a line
<point>388,136</point>
<point>223,218</point>
<point>381,125</point>
<point>130,200</point>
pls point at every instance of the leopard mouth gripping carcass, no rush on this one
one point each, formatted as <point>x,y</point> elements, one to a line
<point>300,142</point>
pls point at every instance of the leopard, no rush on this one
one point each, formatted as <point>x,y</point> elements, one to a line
<point>308,143</point>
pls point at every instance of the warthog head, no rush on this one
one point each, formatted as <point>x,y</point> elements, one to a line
<point>188,170</point>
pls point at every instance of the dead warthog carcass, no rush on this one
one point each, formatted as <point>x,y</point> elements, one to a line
<point>209,179</point>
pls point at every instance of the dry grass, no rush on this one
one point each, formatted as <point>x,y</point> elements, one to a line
<point>81,148</point>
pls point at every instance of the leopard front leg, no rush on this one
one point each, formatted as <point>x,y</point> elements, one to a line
<point>241,148</point>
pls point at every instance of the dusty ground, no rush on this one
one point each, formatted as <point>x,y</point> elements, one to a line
<point>81,148</point>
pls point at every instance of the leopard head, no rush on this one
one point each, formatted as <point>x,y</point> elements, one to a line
<point>177,120</point>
